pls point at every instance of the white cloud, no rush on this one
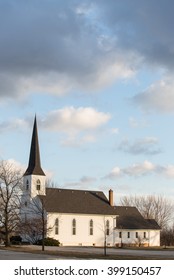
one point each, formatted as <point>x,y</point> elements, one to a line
<point>114,130</point>
<point>140,169</point>
<point>167,171</point>
<point>147,145</point>
<point>135,170</point>
<point>83,182</point>
<point>78,125</point>
<point>115,173</point>
<point>70,119</point>
<point>136,123</point>
<point>14,124</point>
<point>159,96</point>
<point>77,139</point>
<point>112,69</point>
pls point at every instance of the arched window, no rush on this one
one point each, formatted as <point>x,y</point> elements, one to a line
<point>74,227</point>
<point>107,227</point>
<point>56,226</point>
<point>91,224</point>
<point>38,184</point>
<point>27,185</point>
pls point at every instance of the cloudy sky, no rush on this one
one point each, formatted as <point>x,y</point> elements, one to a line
<point>100,77</point>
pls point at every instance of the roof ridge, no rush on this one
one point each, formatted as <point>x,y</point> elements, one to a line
<point>64,189</point>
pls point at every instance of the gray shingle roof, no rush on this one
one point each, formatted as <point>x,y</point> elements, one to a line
<point>76,201</point>
<point>130,218</point>
<point>94,202</point>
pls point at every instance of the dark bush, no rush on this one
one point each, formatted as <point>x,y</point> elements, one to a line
<point>15,240</point>
<point>48,242</point>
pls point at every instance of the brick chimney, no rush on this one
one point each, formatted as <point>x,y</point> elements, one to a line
<point>111,197</point>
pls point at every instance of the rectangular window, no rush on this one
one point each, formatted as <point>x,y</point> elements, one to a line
<point>91,231</point>
<point>56,226</point>
<point>107,227</point>
<point>136,234</point>
<point>120,234</point>
<point>144,234</point>
<point>73,227</point>
<point>128,234</point>
<point>91,225</point>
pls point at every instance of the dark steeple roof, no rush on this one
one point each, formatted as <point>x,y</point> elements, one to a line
<point>34,165</point>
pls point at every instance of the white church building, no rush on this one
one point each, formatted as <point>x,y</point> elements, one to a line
<point>83,217</point>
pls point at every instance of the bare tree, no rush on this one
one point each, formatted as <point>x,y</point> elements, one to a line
<point>34,217</point>
<point>151,207</point>
<point>167,236</point>
<point>107,230</point>
<point>31,230</point>
<point>34,226</point>
<point>51,184</point>
<point>141,241</point>
<point>10,192</point>
<point>39,209</point>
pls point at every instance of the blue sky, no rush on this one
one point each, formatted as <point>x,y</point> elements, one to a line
<point>99,76</point>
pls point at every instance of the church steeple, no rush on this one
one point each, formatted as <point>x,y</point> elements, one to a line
<point>34,165</point>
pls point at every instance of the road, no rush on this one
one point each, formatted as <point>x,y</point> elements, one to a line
<point>163,254</point>
<point>12,255</point>
<point>160,254</point>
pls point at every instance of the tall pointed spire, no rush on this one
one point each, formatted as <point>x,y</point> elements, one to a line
<point>34,165</point>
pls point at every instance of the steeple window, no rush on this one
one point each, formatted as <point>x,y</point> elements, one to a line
<point>38,185</point>
<point>27,185</point>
